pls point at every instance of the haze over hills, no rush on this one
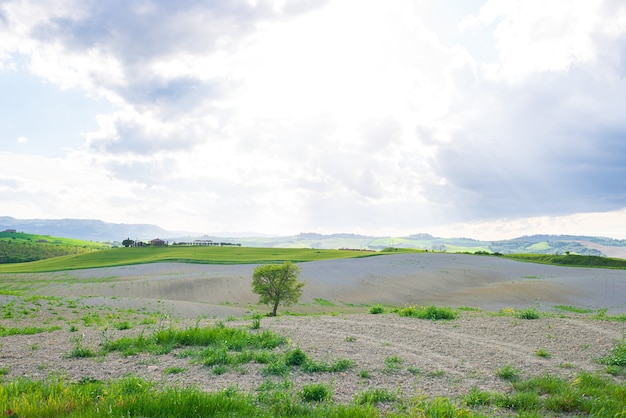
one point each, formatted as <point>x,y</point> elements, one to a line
<point>97,230</point>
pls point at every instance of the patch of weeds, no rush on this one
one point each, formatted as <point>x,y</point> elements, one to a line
<point>316,392</point>
<point>350,339</point>
<point>428,312</point>
<point>5,332</point>
<point>469,308</point>
<point>574,309</point>
<point>377,309</point>
<point>437,373</point>
<point>275,368</point>
<point>123,325</point>
<point>567,366</point>
<point>295,357</point>
<point>393,364</point>
<point>73,328</point>
<point>617,356</point>
<point>92,319</point>
<point>264,357</point>
<point>415,371</point>
<point>4,371</point>
<point>323,302</point>
<point>506,312</point>
<point>374,396</point>
<point>219,369</point>
<point>187,352</point>
<point>174,370</point>
<point>256,320</point>
<point>364,374</point>
<point>615,370</point>
<point>508,373</point>
<point>341,365</point>
<point>530,313</point>
<point>79,351</point>
<point>148,321</point>
<point>542,353</point>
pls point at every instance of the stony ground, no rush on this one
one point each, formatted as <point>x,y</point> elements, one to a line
<point>431,357</point>
<point>84,309</point>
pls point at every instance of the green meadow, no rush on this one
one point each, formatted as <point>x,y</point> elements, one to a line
<point>192,254</point>
<point>571,260</point>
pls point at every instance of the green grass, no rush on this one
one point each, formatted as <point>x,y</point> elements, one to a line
<point>376,309</point>
<point>19,247</point>
<point>530,313</point>
<point>508,373</point>
<point>316,392</point>
<point>617,356</point>
<point>208,255</point>
<point>574,309</point>
<point>374,396</point>
<point>586,395</point>
<point>5,332</point>
<point>428,312</point>
<point>572,260</point>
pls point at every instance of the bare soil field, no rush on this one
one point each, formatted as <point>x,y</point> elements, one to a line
<point>431,358</point>
<point>491,283</point>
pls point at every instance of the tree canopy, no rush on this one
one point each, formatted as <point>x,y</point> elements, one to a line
<point>277,283</point>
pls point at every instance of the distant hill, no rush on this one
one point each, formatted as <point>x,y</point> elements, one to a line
<point>535,244</point>
<point>96,230</point>
<point>84,229</point>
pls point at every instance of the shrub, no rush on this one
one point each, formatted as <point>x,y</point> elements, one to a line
<point>530,313</point>
<point>377,309</point>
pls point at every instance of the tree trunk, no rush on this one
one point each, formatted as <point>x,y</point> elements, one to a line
<point>275,309</point>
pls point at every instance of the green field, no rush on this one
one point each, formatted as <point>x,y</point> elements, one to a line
<point>195,254</point>
<point>572,260</point>
<point>17,247</point>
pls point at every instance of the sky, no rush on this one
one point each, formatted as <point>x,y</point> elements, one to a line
<point>487,119</point>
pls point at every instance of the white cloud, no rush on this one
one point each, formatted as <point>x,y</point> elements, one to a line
<point>22,140</point>
<point>322,115</point>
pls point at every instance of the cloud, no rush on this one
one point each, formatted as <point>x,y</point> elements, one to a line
<point>337,115</point>
<point>541,137</point>
<point>22,140</point>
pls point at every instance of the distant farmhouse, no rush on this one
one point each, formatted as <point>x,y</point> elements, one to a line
<point>12,231</point>
<point>158,242</point>
<point>208,243</point>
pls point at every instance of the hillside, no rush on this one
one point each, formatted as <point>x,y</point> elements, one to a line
<point>16,247</point>
<point>95,230</point>
<point>83,229</point>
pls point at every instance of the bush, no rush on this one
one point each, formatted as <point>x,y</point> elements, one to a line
<point>377,309</point>
<point>529,313</point>
<point>431,312</point>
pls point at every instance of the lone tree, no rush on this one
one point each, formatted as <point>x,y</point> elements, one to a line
<point>128,242</point>
<point>277,283</point>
